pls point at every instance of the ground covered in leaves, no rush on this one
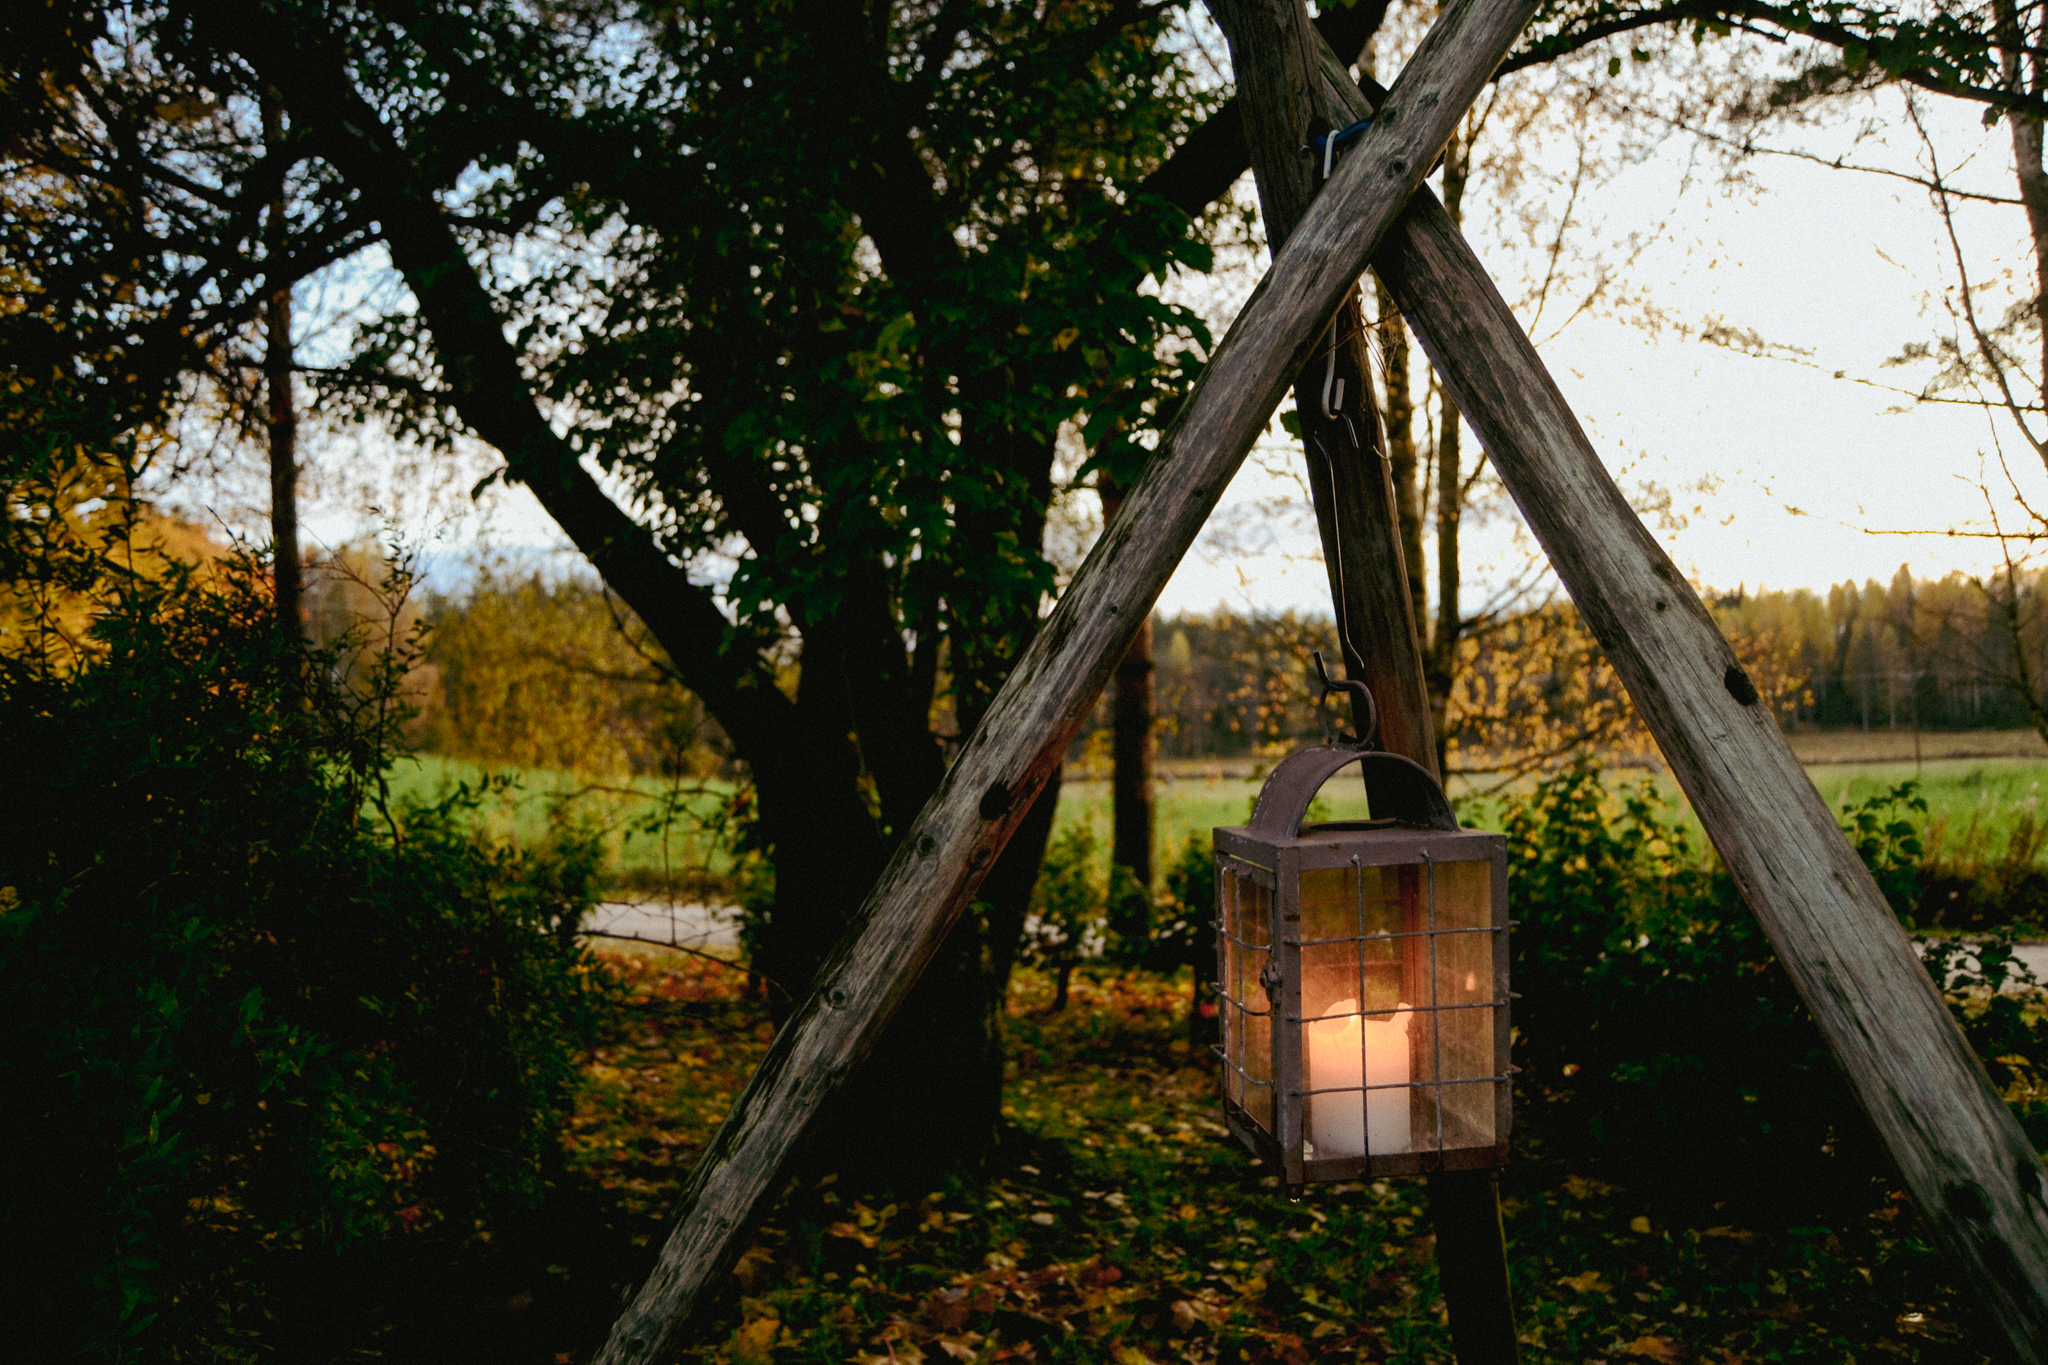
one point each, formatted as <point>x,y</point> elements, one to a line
<point>1122,1225</point>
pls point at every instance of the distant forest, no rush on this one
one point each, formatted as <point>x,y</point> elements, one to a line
<point>1936,654</point>
<point>544,673</point>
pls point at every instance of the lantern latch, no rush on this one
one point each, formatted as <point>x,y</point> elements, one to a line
<point>1363,708</point>
<point>1269,977</point>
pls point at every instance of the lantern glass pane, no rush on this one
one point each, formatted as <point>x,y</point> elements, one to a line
<point>1357,1010</point>
<point>1465,999</point>
<point>1247,1015</point>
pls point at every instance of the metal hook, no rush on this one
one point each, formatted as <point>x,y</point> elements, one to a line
<point>1363,708</point>
<point>1329,374</point>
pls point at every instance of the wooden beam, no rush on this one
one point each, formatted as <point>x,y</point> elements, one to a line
<point>1274,53</point>
<point>1978,1181</point>
<point>945,853</point>
<point>1276,61</point>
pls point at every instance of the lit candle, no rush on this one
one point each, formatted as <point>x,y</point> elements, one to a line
<point>1339,1125</point>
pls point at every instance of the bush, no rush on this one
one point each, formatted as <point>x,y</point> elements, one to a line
<point>1186,933</point>
<point>1661,1045</point>
<point>256,1031</point>
<point>1065,922</point>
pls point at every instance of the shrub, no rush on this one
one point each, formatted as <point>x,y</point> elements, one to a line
<point>1065,921</point>
<point>1660,1043</point>
<point>255,1030</point>
<point>1186,932</point>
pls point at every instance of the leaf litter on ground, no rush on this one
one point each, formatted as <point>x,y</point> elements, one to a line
<point>1120,1223</point>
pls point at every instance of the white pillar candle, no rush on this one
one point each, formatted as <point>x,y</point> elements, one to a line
<point>1339,1125</point>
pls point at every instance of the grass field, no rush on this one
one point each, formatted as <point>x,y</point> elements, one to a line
<point>1983,789</point>
<point>679,860</point>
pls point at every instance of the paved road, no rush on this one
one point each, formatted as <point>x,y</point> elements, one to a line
<point>706,927</point>
<point>714,928</point>
<point>2034,957</point>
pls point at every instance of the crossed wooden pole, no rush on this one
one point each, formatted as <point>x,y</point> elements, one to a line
<point>1977,1180</point>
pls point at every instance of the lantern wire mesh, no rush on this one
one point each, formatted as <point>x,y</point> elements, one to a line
<point>1394,1012</point>
<point>1248,1031</point>
<point>1404,1068</point>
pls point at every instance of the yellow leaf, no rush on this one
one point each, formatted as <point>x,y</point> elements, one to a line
<point>1661,1349</point>
<point>754,1342</point>
<point>1588,1283</point>
<point>1066,338</point>
<point>851,1234</point>
<point>1639,1224</point>
<point>753,1268</point>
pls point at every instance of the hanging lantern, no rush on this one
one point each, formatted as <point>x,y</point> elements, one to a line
<point>1365,977</point>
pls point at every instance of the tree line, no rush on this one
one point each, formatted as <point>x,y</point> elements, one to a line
<point>533,670</point>
<point>1531,688</point>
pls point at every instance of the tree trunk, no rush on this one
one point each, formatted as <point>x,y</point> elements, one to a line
<point>1442,671</point>
<point>2020,70</point>
<point>929,1097</point>
<point>1132,749</point>
<point>1397,376</point>
<point>929,1100</point>
<point>1131,796</point>
<point>283,411</point>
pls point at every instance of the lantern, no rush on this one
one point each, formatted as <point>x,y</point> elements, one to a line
<point>1364,982</point>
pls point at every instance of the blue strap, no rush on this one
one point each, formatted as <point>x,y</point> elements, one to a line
<point>1341,137</point>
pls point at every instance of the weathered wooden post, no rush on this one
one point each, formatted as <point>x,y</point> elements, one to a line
<point>951,845</point>
<point>1275,57</point>
<point>1977,1180</point>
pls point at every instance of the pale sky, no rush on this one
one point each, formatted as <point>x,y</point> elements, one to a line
<point>1803,466</point>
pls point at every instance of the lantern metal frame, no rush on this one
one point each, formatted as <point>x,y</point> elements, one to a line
<point>1413,826</point>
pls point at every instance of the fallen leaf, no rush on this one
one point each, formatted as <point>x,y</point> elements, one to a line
<point>754,1342</point>
<point>1661,1349</point>
<point>753,1268</point>
<point>851,1234</point>
<point>1588,1283</point>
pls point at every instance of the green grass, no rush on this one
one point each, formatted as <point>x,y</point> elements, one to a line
<point>682,860</point>
<point>1974,806</point>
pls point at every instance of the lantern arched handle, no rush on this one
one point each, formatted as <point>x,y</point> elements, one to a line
<point>1396,788</point>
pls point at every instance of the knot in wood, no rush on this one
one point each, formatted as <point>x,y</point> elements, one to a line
<point>1966,1200</point>
<point>1739,686</point>
<point>995,802</point>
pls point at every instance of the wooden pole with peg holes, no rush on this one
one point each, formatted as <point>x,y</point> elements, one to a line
<point>1276,61</point>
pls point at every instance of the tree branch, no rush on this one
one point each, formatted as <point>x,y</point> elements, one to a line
<point>484,375</point>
